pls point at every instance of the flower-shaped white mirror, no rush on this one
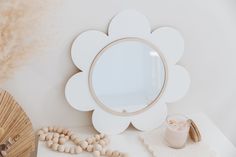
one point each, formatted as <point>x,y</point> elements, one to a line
<point>129,75</point>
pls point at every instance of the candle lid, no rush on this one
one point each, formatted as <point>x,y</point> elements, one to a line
<point>194,131</point>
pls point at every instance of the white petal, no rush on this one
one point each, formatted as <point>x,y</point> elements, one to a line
<point>109,123</point>
<point>178,83</point>
<point>129,23</point>
<point>152,118</point>
<point>77,93</point>
<point>170,42</point>
<point>86,46</point>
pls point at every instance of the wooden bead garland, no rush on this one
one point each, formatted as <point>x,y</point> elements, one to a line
<point>56,138</point>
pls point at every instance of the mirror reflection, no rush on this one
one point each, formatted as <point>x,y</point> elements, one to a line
<point>127,76</point>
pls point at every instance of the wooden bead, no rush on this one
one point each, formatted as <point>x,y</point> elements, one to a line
<point>72,137</point>
<point>65,131</point>
<point>96,153</point>
<point>89,140</point>
<point>93,139</point>
<point>67,137</point>
<point>103,152</point>
<point>54,129</point>
<point>78,150</point>
<point>97,137</point>
<point>115,154</point>
<point>108,152</point>
<point>56,135</point>
<point>67,149</point>
<point>90,148</point>
<point>50,129</point>
<point>45,129</point>
<point>48,137</point>
<point>77,140</point>
<point>97,147</point>
<point>62,135</point>
<point>55,140</point>
<point>61,148</point>
<point>62,140</point>
<point>55,146</point>
<point>42,137</point>
<point>84,144</point>
<point>40,132</point>
<point>69,133</point>
<point>102,135</point>
<point>102,143</point>
<point>72,150</point>
<point>59,130</point>
<point>49,144</point>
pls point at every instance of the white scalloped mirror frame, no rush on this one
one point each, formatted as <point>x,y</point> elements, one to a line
<point>127,24</point>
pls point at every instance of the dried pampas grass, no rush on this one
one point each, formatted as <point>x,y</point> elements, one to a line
<point>19,33</point>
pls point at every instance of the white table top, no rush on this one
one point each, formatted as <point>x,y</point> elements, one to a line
<point>130,142</point>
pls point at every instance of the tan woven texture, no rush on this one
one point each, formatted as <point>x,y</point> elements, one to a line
<point>15,122</point>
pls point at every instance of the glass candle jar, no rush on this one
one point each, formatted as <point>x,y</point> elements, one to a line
<point>177,131</point>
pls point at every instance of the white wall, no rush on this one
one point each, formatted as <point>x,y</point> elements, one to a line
<point>209,29</point>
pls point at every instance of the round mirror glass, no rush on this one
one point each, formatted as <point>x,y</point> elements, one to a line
<point>127,76</point>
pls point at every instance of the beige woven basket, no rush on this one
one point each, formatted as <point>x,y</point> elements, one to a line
<point>16,124</point>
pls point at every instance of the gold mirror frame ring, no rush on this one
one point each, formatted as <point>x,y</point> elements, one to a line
<point>152,103</point>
